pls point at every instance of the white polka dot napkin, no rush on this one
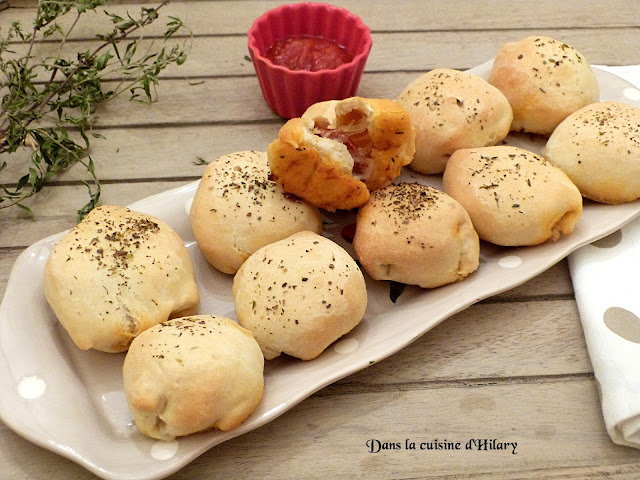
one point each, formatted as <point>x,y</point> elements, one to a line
<point>605,281</point>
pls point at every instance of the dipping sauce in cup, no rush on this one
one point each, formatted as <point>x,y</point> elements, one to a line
<point>288,91</point>
<point>304,52</point>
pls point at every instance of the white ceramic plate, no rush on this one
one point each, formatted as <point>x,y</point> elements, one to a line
<point>72,401</point>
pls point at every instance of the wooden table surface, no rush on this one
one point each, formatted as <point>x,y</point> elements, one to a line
<point>513,367</point>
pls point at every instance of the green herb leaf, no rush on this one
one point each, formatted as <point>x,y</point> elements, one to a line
<point>68,99</point>
<point>26,209</point>
<point>94,194</point>
<point>395,290</point>
<point>200,161</point>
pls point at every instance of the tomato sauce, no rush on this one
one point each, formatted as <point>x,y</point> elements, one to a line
<point>305,52</point>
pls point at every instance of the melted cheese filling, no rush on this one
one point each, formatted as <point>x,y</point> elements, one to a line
<point>352,133</point>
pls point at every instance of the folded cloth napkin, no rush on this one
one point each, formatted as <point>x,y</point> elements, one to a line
<point>605,280</point>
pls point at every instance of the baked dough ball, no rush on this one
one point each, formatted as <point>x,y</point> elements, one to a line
<point>414,234</point>
<point>514,197</point>
<point>192,374</point>
<point>335,168</point>
<point>297,296</point>
<point>545,80</point>
<point>450,110</point>
<point>599,148</point>
<point>237,210</point>
<point>117,273</point>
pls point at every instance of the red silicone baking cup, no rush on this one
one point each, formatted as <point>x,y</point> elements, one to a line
<point>290,92</point>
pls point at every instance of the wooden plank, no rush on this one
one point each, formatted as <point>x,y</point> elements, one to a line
<point>55,209</point>
<point>421,51</point>
<point>155,153</point>
<point>534,338</point>
<point>235,17</point>
<point>228,100</point>
<point>555,282</point>
<point>299,445</point>
<point>222,100</point>
<point>8,257</point>
<point>569,443</point>
<point>391,51</point>
<point>180,102</point>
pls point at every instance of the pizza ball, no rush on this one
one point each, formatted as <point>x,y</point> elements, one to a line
<point>299,295</point>
<point>117,273</point>
<point>417,235</point>
<point>336,166</point>
<point>193,374</point>
<point>450,110</point>
<point>545,80</point>
<point>514,197</point>
<point>237,209</point>
<point>598,147</point>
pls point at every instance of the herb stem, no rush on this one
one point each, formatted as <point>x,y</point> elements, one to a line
<point>66,35</point>
<point>50,116</point>
<point>145,21</point>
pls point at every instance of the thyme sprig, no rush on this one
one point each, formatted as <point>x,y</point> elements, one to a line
<point>49,104</point>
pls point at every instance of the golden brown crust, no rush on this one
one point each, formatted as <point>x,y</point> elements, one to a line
<point>237,210</point>
<point>192,374</point>
<point>450,110</point>
<point>335,166</point>
<point>301,170</point>
<point>417,235</point>
<point>545,80</point>
<point>598,147</point>
<point>514,197</point>
<point>117,273</point>
<point>299,295</point>
<point>389,131</point>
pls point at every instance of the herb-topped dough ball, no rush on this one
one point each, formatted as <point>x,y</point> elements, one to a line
<point>299,295</point>
<point>450,110</point>
<point>237,210</point>
<point>545,80</point>
<point>192,374</point>
<point>514,197</point>
<point>117,273</point>
<point>599,148</point>
<point>414,234</point>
